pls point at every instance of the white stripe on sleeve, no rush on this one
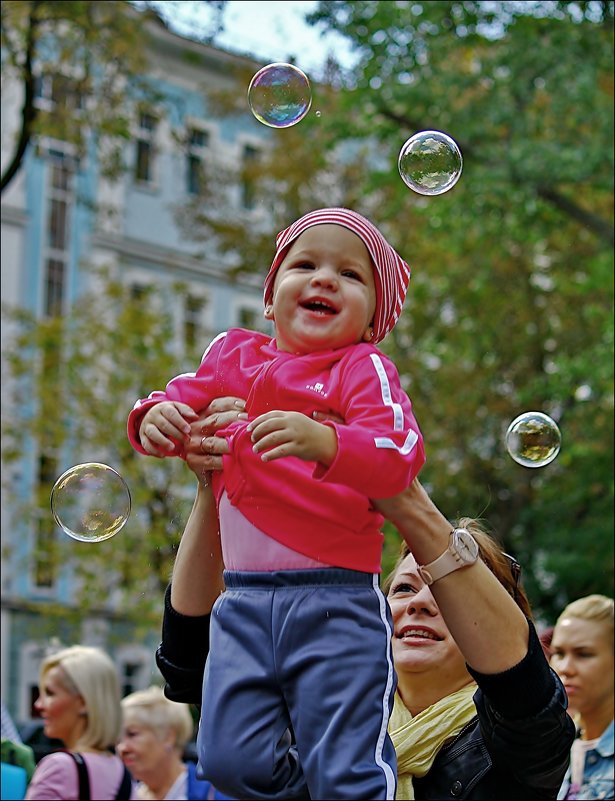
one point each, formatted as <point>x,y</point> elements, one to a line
<point>409,443</point>
<point>385,389</point>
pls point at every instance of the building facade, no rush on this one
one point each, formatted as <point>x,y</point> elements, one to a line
<point>58,215</point>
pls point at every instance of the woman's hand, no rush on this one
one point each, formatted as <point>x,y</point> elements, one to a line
<point>204,450</point>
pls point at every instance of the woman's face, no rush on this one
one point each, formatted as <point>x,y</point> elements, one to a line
<point>144,750</point>
<point>63,712</point>
<point>582,656</point>
<point>421,641</point>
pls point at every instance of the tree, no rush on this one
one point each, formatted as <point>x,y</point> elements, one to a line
<point>83,373</point>
<point>58,46</point>
<point>510,306</point>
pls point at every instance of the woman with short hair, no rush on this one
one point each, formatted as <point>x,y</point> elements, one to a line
<point>154,734</point>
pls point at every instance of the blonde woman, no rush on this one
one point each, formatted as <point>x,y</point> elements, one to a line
<point>582,655</point>
<point>154,734</point>
<point>79,702</point>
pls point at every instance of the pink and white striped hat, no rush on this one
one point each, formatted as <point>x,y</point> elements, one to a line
<point>391,274</point>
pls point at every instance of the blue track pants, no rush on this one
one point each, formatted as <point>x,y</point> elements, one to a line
<point>298,687</point>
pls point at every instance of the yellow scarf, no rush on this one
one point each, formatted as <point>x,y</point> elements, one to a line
<point>418,739</point>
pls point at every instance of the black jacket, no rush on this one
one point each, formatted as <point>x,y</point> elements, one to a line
<point>503,755</point>
<point>516,749</point>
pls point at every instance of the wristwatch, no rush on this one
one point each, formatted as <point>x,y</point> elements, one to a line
<point>462,551</point>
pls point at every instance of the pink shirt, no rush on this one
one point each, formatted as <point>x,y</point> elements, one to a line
<point>56,777</point>
<point>245,547</point>
<point>323,513</point>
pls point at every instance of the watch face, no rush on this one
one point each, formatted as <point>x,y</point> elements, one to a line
<point>465,545</point>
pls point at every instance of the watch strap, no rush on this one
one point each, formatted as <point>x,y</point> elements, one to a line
<point>445,563</point>
<point>450,560</point>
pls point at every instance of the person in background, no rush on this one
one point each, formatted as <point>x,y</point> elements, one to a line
<point>17,760</point>
<point>154,734</point>
<point>302,542</point>
<point>478,713</point>
<point>9,730</point>
<point>17,769</point>
<point>79,703</point>
<point>582,655</point>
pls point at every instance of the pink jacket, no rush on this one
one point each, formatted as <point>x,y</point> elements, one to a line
<point>324,513</point>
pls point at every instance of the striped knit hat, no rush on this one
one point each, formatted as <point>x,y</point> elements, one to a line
<point>391,274</point>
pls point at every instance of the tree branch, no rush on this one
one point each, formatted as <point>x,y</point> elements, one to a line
<point>597,225</point>
<point>29,111</point>
<point>592,222</point>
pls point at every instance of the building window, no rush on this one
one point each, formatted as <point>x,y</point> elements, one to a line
<point>133,668</point>
<point>144,162</point>
<point>58,92</point>
<point>198,141</point>
<point>60,198</point>
<point>54,288</point>
<point>131,671</point>
<point>248,178</point>
<point>44,567</point>
<point>138,292</point>
<point>193,317</point>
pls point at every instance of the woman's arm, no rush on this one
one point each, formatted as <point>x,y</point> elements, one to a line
<point>486,623</point>
<point>197,573</point>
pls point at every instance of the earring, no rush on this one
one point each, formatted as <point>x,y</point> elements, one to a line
<point>268,311</point>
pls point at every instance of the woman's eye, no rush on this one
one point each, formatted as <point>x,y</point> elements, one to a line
<point>403,588</point>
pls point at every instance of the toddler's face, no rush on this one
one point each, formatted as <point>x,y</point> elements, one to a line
<point>324,295</point>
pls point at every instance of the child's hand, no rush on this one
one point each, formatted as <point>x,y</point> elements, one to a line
<point>277,434</point>
<point>164,426</point>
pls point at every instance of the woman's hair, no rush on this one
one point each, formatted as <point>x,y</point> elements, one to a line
<point>506,569</point>
<point>90,673</point>
<point>596,608</point>
<point>152,709</point>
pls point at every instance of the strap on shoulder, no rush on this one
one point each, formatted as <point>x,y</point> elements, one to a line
<point>84,779</point>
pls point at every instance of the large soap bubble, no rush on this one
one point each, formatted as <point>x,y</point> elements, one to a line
<point>533,439</point>
<point>90,502</point>
<point>279,95</point>
<point>430,162</point>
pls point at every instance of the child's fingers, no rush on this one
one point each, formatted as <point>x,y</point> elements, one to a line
<point>173,419</point>
<point>156,444</point>
<point>186,412</point>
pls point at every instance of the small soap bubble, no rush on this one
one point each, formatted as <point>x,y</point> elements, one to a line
<point>430,162</point>
<point>279,95</point>
<point>90,502</point>
<point>533,439</point>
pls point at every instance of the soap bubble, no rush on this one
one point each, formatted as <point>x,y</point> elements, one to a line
<point>90,502</point>
<point>279,95</point>
<point>533,439</point>
<point>430,162</point>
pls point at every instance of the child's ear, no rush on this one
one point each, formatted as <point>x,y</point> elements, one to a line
<point>369,334</point>
<point>269,312</point>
